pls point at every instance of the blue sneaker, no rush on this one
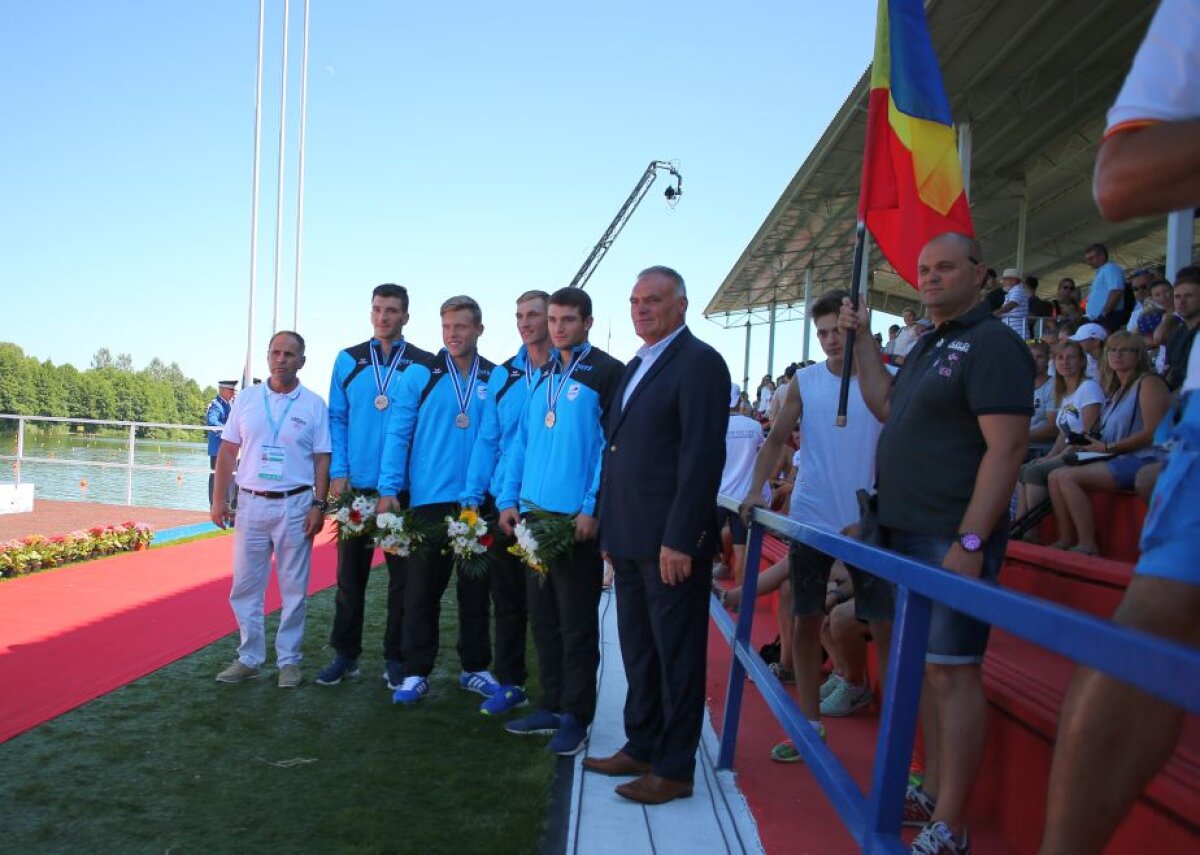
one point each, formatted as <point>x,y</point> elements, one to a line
<point>479,682</point>
<point>570,739</point>
<point>393,673</point>
<point>537,723</point>
<point>411,690</point>
<point>507,699</point>
<point>333,673</point>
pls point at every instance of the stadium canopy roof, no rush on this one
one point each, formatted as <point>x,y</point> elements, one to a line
<point>1033,81</point>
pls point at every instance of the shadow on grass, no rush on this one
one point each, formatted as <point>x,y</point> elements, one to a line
<point>177,763</point>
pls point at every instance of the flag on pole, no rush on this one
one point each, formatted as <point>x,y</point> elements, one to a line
<point>912,186</point>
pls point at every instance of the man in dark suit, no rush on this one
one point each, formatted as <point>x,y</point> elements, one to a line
<point>659,481</point>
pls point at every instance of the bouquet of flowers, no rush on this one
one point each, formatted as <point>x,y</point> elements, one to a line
<point>542,539</point>
<point>468,539</point>
<point>354,515</point>
<point>399,534</point>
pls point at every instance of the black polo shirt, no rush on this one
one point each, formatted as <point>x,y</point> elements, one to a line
<point>930,448</point>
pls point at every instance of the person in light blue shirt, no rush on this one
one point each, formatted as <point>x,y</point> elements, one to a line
<point>509,388</point>
<point>361,391</point>
<point>442,440</point>
<point>554,466</point>
<point>1108,288</point>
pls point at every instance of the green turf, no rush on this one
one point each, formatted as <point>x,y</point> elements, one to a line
<point>178,763</point>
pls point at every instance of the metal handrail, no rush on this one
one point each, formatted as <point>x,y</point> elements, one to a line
<point>129,465</point>
<point>1168,670</point>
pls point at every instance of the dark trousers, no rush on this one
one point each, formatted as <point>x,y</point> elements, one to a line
<point>664,644</point>
<point>511,616</point>
<point>353,573</point>
<point>566,630</point>
<point>428,574</point>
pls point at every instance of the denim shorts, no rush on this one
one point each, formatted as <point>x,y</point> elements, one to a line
<point>809,569</point>
<point>1125,467</point>
<point>737,528</point>
<point>954,639</point>
<point>1171,534</point>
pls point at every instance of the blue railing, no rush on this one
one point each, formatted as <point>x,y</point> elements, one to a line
<point>1167,670</point>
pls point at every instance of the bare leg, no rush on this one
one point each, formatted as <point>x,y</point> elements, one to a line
<point>1062,516</point>
<point>848,644</point>
<point>768,580</point>
<point>806,656</point>
<point>961,732</point>
<point>1112,738</point>
<point>1145,480</point>
<point>739,562</point>
<point>1074,484</point>
<point>929,732</point>
<point>881,632</point>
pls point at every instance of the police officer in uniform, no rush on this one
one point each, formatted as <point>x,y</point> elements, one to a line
<point>215,417</point>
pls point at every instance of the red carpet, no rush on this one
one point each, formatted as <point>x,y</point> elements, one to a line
<point>70,635</point>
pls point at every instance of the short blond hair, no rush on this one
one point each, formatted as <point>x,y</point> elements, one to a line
<point>460,302</point>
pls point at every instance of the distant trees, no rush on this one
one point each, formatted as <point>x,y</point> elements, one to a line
<point>109,389</point>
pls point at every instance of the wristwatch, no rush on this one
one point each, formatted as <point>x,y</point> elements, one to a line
<point>320,503</point>
<point>970,542</point>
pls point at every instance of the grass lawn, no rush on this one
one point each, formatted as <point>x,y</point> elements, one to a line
<point>178,763</point>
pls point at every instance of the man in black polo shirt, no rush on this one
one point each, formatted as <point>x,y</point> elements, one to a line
<point>956,426</point>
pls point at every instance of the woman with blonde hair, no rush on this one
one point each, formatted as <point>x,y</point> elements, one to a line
<point>1136,402</point>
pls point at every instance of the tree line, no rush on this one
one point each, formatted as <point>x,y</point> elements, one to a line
<point>109,389</point>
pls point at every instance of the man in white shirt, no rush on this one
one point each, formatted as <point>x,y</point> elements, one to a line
<point>1015,309</point>
<point>907,337</point>
<point>282,430</point>
<point>1140,283</point>
<point>743,438</point>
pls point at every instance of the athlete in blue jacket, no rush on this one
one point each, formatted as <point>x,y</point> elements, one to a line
<point>554,465</point>
<point>361,392</point>
<point>510,385</point>
<point>441,447</point>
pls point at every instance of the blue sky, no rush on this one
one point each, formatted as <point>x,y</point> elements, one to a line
<point>468,147</point>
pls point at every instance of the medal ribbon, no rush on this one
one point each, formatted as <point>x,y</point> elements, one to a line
<point>552,394</point>
<point>382,383</point>
<point>531,371</point>
<point>462,393</point>
<point>275,425</point>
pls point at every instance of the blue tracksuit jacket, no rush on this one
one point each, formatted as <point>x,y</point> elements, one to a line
<point>510,385</point>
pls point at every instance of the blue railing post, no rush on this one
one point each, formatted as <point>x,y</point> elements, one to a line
<point>741,639</point>
<point>898,719</point>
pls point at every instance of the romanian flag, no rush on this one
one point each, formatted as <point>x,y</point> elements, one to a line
<point>912,188</point>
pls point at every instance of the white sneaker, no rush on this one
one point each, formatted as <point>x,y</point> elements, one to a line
<point>830,685</point>
<point>846,699</point>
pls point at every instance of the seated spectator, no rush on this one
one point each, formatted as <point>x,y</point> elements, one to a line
<point>1077,404</point>
<point>1042,428</point>
<point>1186,294</point>
<point>1091,337</point>
<point>1160,304</point>
<point>1014,311</point>
<point>893,331</point>
<point>1140,283</point>
<point>845,638</point>
<point>1066,301</point>
<point>1136,401</point>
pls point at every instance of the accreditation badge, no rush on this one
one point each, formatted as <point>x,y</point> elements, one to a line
<point>271,462</point>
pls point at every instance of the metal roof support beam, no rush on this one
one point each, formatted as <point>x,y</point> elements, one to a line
<point>746,363</point>
<point>771,342</point>
<point>964,156</point>
<point>1180,227</point>
<point>808,286</point>
<point>1022,223</point>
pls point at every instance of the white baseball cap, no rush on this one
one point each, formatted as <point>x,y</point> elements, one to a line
<point>1090,331</point>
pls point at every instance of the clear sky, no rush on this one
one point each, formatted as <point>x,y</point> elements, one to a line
<point>461,147</point>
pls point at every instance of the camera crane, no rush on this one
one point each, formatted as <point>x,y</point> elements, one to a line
<point>672,194</point>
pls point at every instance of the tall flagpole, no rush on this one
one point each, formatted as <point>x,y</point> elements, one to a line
<point>300,180</point>
<point>248,369</point>
<point>287,5</point>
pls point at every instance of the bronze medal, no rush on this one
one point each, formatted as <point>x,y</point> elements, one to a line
<point>462,420</point>
<point>550,418</point>
<point>381,402</point>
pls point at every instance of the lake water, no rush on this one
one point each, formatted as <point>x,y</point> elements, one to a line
<point>77,481</point>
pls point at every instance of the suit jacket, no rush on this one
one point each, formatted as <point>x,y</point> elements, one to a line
<point>665,453</point>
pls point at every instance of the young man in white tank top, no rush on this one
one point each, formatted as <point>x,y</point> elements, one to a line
<point>835,464</point>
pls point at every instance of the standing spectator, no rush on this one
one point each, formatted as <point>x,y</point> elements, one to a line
<point>510,387</point>
<point>1014,311</point>
<point>283,480</point>
<point>1140,281</point>
<point>993,294</point>
<point>660,477</point>
<point>890,346</point>
<point>944,486</point>
<point>1077,404</point>
<point>1186,294</point>
<point>1106,299</point>
<point>215,417</point>
<point>554,466</point>
<point>1091,338</point>
<point>361,392</point>
<point>780,392</point>
<point>1135,403</point>
<point>765,390</point>
<point>835,463</point>
<point>907,337</point>
<point>441,446</point>
<point>1066,302</point>
<point>743,439</point>
<point>1149,163</point>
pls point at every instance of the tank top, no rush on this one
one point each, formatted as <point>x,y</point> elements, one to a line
<point>834,462</point>
<point>1121,416</point>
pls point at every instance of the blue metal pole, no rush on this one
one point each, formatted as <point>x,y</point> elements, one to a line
<point>737,671</point>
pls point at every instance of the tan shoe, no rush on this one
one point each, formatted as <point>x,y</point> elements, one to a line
<point>237,672</point>
<point>289,676</point>
<point>653,789</point>
<point>617,765</point>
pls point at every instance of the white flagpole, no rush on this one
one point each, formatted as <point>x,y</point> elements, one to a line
<point>282,140</point>
<point>248,371</point>
<point>300,179</point>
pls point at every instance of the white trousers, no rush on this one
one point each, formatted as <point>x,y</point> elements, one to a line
<point>265,526</point>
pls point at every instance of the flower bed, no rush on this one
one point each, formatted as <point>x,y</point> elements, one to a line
<point>39,552</point>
